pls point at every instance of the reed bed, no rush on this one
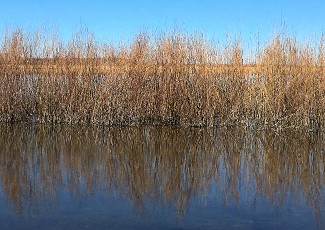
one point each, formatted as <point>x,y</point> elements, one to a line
<point>169,78</point>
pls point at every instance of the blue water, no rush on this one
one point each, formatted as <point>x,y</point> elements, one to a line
<point>159,178</point>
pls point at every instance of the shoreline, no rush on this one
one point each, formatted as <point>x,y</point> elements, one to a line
<point>173,79</point>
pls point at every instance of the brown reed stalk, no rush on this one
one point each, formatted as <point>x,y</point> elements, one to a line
<point>170,78</point>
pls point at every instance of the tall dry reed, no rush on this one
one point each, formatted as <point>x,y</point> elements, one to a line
<point>170,78</point>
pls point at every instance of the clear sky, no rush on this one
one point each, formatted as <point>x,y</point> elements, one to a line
<point>120,19</point>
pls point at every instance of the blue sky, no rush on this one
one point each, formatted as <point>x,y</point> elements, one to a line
<point>121,19</point>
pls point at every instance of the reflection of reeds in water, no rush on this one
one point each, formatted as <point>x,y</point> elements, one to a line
<point>167,78</point>
<point>161,164</point>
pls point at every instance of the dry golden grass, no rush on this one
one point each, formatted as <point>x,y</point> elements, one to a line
<point>173,78</point>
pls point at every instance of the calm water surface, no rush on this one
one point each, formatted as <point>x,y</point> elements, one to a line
<point>72,177</point>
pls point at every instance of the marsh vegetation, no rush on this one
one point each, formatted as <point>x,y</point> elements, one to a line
<point>167,78</point>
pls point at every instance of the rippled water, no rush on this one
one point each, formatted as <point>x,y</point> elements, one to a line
<point>74,177</point>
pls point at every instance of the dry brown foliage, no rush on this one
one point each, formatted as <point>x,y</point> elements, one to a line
<point>172,78</point>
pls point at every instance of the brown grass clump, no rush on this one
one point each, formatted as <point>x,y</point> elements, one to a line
<point>173,78</point>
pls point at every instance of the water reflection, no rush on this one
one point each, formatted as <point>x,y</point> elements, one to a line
<point>165,165</point>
